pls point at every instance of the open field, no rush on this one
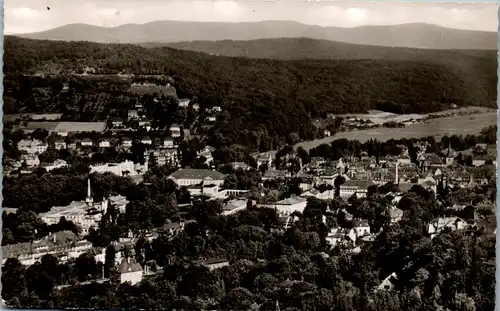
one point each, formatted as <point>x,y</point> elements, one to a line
<point>380,117</point>
<point>460,125</point>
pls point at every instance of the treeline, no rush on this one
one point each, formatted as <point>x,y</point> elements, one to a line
<point>264,100</point>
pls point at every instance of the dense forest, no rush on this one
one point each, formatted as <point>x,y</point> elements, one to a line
<point>263,100</point>
<point>307,48</point>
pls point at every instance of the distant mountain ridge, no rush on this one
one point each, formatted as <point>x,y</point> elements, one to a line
<point>416,35</point>
<point>307,48</point>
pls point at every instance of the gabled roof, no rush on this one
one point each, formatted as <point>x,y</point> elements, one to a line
<point>197,174</point>
<point>364,184</point>
<point>213,261</point>
<point>128,267</point>
<point>361,223</point>
<point>433,158</point>
<point>233,204</point>
<point>291,201</point>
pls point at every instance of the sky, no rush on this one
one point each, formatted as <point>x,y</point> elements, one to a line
<point>25,16</point>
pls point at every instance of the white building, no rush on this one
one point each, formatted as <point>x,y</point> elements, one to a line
<point>87,142</point>
<point>188,177</point>
<point>184,102</point>
<point>30,159</point>
<point>168,142</point>
<point>104,143</point>
<point>361,228</point>
<point>175,130</point>
<point>146,141</point>
<point>163,156</point>
<point>290,205</point>
<point>60,144</point>
<point>213,191</point>
<point>120,169</point>
<point>32,146</point>
<point>265,158</point>
<point>55,165</point>
<point>85,215</point>
<point>453,223</point>
<point>64,245</point>
<point>358,187</point>
<point>404,159</point>
<point>341,237</point>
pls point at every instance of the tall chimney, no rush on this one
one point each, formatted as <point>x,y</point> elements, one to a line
<point>397,173</point>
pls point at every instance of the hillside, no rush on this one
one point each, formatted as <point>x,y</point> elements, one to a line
<point>306,48</point>
<point>266,99</point>
<point>406,35</point>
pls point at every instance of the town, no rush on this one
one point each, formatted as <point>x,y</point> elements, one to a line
<point>357,191</point>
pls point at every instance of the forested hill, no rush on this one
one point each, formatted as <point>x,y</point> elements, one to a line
<point>307,48</point>
<point>272,98</point>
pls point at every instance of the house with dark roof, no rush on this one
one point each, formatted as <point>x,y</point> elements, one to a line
<point>130,271</point>
<point>430,161</point>
<point>189,177</point>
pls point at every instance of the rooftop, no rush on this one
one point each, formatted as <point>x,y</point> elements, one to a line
<point>197,174</point>
<point>358,183</point>
<point>233,204</point>
<point>291,201</point>
<point>128,267</point>
<point>212,261</point>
